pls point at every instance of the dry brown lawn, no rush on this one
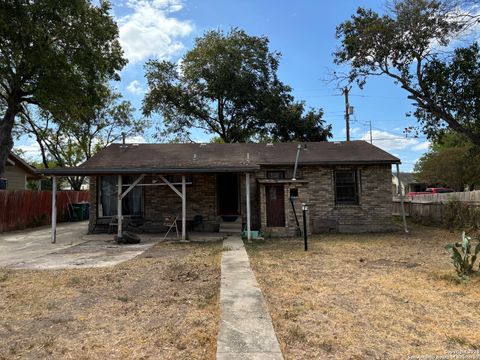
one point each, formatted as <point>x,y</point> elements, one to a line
<point>369,296</point>
<point>161,305</point>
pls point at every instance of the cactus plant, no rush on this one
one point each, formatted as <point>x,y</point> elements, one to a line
<point>462,256</point>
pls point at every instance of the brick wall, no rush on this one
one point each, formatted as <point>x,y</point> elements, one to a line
<point>373,213</point>
<point>92,184</point>
<point>315,187</point>
<point>201,200</point>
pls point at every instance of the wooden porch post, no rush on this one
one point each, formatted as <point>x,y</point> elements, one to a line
<point>401,199</point>
<point>119,207</point>
<point>54,209</point>
<point>247,191</point>
<point>184,209</point>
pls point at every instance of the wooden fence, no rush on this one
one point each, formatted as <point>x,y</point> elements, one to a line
<point>431,207</point>
<point>20,209</point>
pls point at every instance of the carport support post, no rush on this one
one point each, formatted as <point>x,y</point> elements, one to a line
<point>184,209</point>
<point>54,209</point>
<point>247,191</point>
<point>401,200</point>
<point>119,207</point>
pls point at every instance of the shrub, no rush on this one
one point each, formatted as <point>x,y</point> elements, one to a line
<point>462,256</point>
<point>461,215</point>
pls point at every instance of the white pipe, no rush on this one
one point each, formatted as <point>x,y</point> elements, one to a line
<point>119,207</point>
<point>247,191</point>
<point>54,210</point>
<point>184,209</point>
<point>401,201</point>
<point>296,162</point>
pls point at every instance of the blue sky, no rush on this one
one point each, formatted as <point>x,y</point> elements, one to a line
<point>303,31</point>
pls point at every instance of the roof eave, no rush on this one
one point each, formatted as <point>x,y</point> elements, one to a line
<point>363,162</point>
<point>113,171</point>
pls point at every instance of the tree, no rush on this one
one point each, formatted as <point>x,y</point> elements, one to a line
<point>226,85</point>
<point>71,141</point>
<point>294,124</point>
<point>57,56</point>
<point>408,45</point>
<point>452,161</point>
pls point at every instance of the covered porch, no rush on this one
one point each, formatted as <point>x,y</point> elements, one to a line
<point>154,202</point>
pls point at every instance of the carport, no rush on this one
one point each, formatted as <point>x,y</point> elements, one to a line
<point>124,189</point>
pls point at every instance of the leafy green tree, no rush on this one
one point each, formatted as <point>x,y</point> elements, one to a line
<point>55,55</point>
<point>71,141</point>
<point>452,161</point>
<point>406,45</point>
<point>227,85</point>
<point>294,124</point>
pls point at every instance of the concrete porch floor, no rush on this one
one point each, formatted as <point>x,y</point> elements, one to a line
<point>32,249</point>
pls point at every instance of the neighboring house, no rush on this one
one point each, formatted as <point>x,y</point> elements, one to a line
<point>19,173</point>
<point>407,183</point>
<point>346,185</point>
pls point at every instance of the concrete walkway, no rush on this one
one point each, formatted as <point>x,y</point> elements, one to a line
<point>246,330</point>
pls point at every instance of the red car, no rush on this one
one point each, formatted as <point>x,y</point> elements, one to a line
<point>431,191</point>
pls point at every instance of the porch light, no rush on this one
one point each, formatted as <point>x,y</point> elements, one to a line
<point>305,236</point>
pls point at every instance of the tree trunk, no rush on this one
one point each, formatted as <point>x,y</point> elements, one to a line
<point>6,140</point>
<point>76,182</point>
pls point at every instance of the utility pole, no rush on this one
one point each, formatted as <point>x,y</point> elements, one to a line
<point>345,92</point>
<point>371,139</point>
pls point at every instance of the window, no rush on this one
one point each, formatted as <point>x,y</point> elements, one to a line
<point>275,174</point>
<point>132,203</point>
<point>346,187</point>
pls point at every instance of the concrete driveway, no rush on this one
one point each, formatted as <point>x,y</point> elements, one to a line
<point>32,249</point>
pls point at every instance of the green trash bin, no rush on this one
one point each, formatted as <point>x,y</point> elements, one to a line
<point>80,211</point>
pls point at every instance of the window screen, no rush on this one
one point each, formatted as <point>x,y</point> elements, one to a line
<point>132,203</point>
<point>346,187</point>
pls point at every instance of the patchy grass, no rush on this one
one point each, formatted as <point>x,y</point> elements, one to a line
<point>368,296</point>
<point>161,305</point>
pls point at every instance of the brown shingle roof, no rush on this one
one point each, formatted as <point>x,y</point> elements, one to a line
<point>226,157</point>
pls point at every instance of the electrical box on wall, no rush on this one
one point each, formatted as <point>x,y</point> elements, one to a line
<point>294,193</point>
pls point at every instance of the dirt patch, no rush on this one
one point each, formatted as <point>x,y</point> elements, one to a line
<point>159,307</point>
<point>368,296</point>
<point>389,263</point>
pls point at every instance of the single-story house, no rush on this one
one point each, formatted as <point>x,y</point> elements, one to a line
<point>209,187</point>
<point>18,173</point>
<point>406,182</point>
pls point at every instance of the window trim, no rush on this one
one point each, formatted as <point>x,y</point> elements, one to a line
<point>278,172</point>
<point>357,180</point>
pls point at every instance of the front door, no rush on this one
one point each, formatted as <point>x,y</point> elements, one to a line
<point>275,205</point>
<point>227,191</point>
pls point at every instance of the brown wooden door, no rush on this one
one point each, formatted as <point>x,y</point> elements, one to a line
<point>275,205</point>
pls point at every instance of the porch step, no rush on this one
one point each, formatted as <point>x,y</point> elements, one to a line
<point>231,227</point>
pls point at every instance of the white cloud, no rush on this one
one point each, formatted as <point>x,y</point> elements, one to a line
<point>354,131</point>
<point>469,14</point>
<point>137,139</point>
<point>421,146</point>
<point>388,141</point>
<point>135,87</point>
<point>29,151</point>
<point>151,31</point>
